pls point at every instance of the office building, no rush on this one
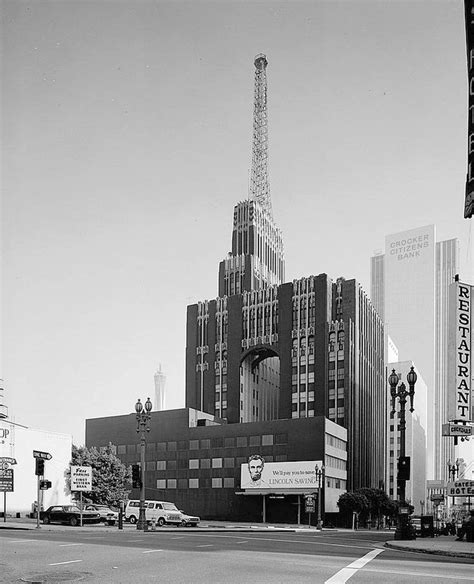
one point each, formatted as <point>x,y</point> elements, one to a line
<point>409,289</point>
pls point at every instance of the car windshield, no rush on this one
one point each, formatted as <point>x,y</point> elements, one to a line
<point>170,507</point>
<point>71,508</point>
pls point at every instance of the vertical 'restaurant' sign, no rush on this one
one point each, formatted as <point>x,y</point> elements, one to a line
<point>469,16</point>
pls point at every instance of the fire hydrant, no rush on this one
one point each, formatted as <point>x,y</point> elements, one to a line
<point>153,524</point>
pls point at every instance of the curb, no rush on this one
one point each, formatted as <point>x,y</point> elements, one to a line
<point>436,552</point>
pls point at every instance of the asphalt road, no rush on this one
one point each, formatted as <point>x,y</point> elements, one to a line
<point>182,556</point>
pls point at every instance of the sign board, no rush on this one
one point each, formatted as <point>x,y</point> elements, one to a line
<point>461,488</point>
<point>7,460</point>
<point>6,480</point>
<point>469,23</point>
<point>437,497</point>
<point>460,351</point>
<point>279,476</point>
<point>453,429</point>
<point>43,455</point>
<point>81,478</point>
<point>310,505</point>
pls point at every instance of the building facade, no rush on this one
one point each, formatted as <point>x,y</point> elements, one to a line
<point>195,461</point>
<point>409,289</point>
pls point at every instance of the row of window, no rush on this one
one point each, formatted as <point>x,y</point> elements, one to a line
<point>214,483</point>
<point>335,442</point>
<point>206,443</point>
<point>205,463</point>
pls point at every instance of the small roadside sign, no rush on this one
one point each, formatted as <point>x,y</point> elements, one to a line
<point>43,455</point>
<point>81,478</point>
<point>309,504</point>
<point>6,480</point>
<point>453,429</point>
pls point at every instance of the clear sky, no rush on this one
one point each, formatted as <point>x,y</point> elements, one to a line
<point>127,131</point>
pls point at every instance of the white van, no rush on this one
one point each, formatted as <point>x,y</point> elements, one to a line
<point>162,512</point>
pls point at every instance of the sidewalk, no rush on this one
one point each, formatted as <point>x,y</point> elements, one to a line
<point>443,545</point>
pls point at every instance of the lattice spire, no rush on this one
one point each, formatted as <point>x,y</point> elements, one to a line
<point>259,185</point>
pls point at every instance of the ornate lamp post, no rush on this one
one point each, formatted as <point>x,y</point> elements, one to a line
<point>319,470</point>
<point>400,392</point>
<point>143,426</point>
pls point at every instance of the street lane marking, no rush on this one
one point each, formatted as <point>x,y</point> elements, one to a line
<point>179,537</point>
<point>245,541</point>
<point>205,545</point>
<point>21,540</point>
<point>69,544</point>
<point>151,551</point>
<point>62,563</point>
<point>343,575</point>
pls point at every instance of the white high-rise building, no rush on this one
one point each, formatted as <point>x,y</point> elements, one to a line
<point>160,380</point>
<point>409,289</point>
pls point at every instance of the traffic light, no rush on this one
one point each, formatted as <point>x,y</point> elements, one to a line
<point>39,468</point>
<point>45,485</point>
<point>404,468</point>
<point>136,479</point>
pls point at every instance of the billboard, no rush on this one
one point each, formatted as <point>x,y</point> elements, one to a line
<point>279,476</point>
<point>469,17</point>
<point>460,351</point>
<point>460,488</point>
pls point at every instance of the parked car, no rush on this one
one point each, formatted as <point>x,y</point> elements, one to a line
<point>189,520</point>
<point>68,514</point>
<point>163,512</point>
<point>107,515</point>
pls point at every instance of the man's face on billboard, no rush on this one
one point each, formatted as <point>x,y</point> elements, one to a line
<point>255,469</point>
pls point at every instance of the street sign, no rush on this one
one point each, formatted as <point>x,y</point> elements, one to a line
<point>461,488</point>
<point>6,480</point>
<point>81,478</point>
<point>44,455</point>
<point>453,429</point>
<point>7,460</point>
<point>310,506</point>
<point>437,497</point>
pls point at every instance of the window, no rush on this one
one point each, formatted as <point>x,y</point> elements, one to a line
<point>280,458</point>
<point>242,441</point>
<point>171,483</point>
<point>217,463</point>
<point>161,446</point>
<point>205,463</point>
<point>205,443</point>
<point>267,440</point>
<point>161,484</point>
<point>194,483</point>
<point>150,446</point>
<point>254,441</point>
<point>171,464</point>
<point>194,445</point>
<point>216,483</point>
<point>160,465</point>
<point>182,483</point>
<point>229,483</point>
<point>183,445</point>
<point>229,442</point>
<point>228,463</point>
<point>121,449</point>
<point>217,442</point>
<point>193,463</point>
<point>172,446</point>
<point>281,438</point>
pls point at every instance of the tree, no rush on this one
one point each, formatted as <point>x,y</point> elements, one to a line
<point>352,502</point>
<point>110,476</point>
<point>379,503</point>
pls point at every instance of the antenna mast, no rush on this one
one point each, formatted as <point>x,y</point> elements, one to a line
<point>259,186</point>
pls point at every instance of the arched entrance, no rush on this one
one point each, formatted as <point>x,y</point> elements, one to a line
<point>259,384</point>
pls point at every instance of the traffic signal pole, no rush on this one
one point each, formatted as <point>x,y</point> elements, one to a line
<point>38,506</point>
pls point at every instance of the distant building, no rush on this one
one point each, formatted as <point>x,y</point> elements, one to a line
<point>160,381</point>
<point>17,443</point>
<point>409,289</point>
<point>3,404</point>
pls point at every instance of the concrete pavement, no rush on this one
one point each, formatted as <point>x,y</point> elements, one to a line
<point>442,545</point>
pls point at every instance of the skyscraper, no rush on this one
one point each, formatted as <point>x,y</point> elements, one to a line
<point>409,288</point>
<point>265,350</point>
<point>160,380</point>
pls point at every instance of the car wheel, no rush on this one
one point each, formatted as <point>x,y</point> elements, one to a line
<point>133,519</point>
<point>46,520</point>
<point>73,521</point>
<point>110,522</point>
<point>161,521</point>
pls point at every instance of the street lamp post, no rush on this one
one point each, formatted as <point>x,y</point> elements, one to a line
<point>319,470</point>
<point>400,392</point>
<point>143,426</point>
